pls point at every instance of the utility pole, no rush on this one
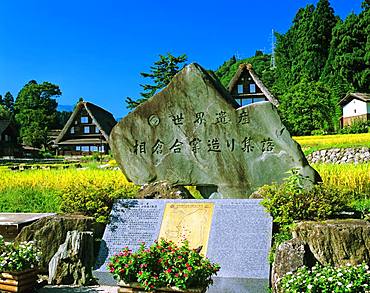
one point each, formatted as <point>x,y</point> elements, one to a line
<point>273,64</point>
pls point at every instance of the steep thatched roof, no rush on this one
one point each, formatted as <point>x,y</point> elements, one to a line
<point>4,125</point>
<point>350,96</point>
<point>101,118</point>
<point>248,67</point>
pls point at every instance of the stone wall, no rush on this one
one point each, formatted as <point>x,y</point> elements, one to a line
<point>340,156</point>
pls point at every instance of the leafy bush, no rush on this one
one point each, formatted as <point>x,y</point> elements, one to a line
<point>163,264</point>
<point>294,201</point>
<point>349,278</point>
<point>357,126</point>
<point>18,257</point>
<point>93,199</point>
<point>298,200</point>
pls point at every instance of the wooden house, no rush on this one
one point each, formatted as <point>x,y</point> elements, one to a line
<point>355,106</point>
<point>246,87</point>
<point>8,138</point>
<point>86,131</point>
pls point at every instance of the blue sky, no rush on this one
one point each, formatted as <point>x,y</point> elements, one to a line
<point>97,49</point>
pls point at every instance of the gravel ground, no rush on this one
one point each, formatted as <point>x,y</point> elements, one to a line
<point>75,289</point>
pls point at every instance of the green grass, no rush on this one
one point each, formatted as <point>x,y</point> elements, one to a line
<point>29,200</point>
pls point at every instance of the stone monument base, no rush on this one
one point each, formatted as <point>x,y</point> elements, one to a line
<point>220,285</point>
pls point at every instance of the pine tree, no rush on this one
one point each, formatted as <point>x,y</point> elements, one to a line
<point>9,102</point>
<point>161,73</point>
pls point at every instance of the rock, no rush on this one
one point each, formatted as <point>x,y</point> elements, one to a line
<point>50,232</point>
<point>165,190</point>
<point>289,256</point>
<point>193,133</point>
<point>73,261</point>
<point>332,242</point>
<point>337,242</point>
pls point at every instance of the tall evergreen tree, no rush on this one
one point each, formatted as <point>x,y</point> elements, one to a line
<point>35,112</point>
<point>161,73</point>
<point>318,40</point>
<point>348,65</point>
<point>9,102</point>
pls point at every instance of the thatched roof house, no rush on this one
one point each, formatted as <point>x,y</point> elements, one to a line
<point>246,87</point>
<point>86,131</point>
<point>8,138</point>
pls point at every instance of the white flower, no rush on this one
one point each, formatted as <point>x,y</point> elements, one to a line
<point>309,286</point>
<point>349,285</point>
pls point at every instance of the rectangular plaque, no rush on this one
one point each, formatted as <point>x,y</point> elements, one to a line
<point>236,233</point>
<point>190,221</point>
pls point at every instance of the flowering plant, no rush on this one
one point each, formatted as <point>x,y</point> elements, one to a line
<point>328,279</point>
<point>18,257</point>
<point>163,264</point>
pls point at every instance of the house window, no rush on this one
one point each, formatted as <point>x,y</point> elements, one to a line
<point>78,147</point>
<point>240,89</point>
<point>97,130</point>
<point>72,131</point>
<point>101,149</point>
<point>252,88</point>
<point>87,129</point>
<point>84,119</point>
<point>93,148</point>
<point>7,137</point>
<point>85,148</point>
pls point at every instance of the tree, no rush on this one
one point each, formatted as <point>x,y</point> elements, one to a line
<point>307,107</point>
<point>9,102</point>
<point>35,112</point>
<point>348,65</point>
<point>161,73</point>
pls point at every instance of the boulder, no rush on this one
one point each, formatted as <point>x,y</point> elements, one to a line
<point>72,263</point>
<point>331,242</point>
<point>163,190</point>
<point>50,232</point>
<point>289,256</point>
<point>336,242</point>
<point>194,133</point>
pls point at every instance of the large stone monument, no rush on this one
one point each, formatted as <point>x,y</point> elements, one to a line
<point>194,133</point>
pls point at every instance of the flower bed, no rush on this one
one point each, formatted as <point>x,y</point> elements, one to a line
<point>18,265</point>
<point>163,265</point>
<point>328,279</point>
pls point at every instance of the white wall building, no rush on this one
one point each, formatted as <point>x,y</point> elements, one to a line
<point>355,106</point>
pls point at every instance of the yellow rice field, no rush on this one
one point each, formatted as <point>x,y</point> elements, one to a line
<point>61,179</point>
<point>354,177</point>
<point>333,141</point>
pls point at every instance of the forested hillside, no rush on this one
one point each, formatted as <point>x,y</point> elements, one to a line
<point>318,60</point>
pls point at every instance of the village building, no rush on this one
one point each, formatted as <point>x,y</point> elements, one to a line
<point>355,106</point>
<point>86,131</point>
<point>246,87</point>
<point>8,138</point>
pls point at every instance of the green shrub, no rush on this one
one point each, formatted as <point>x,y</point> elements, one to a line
<point>327,279</point>
<point>295,200</point>
<point>93,199</point>
<point>30,200</point>
<point>298,200</point>
<point>357,126</point>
